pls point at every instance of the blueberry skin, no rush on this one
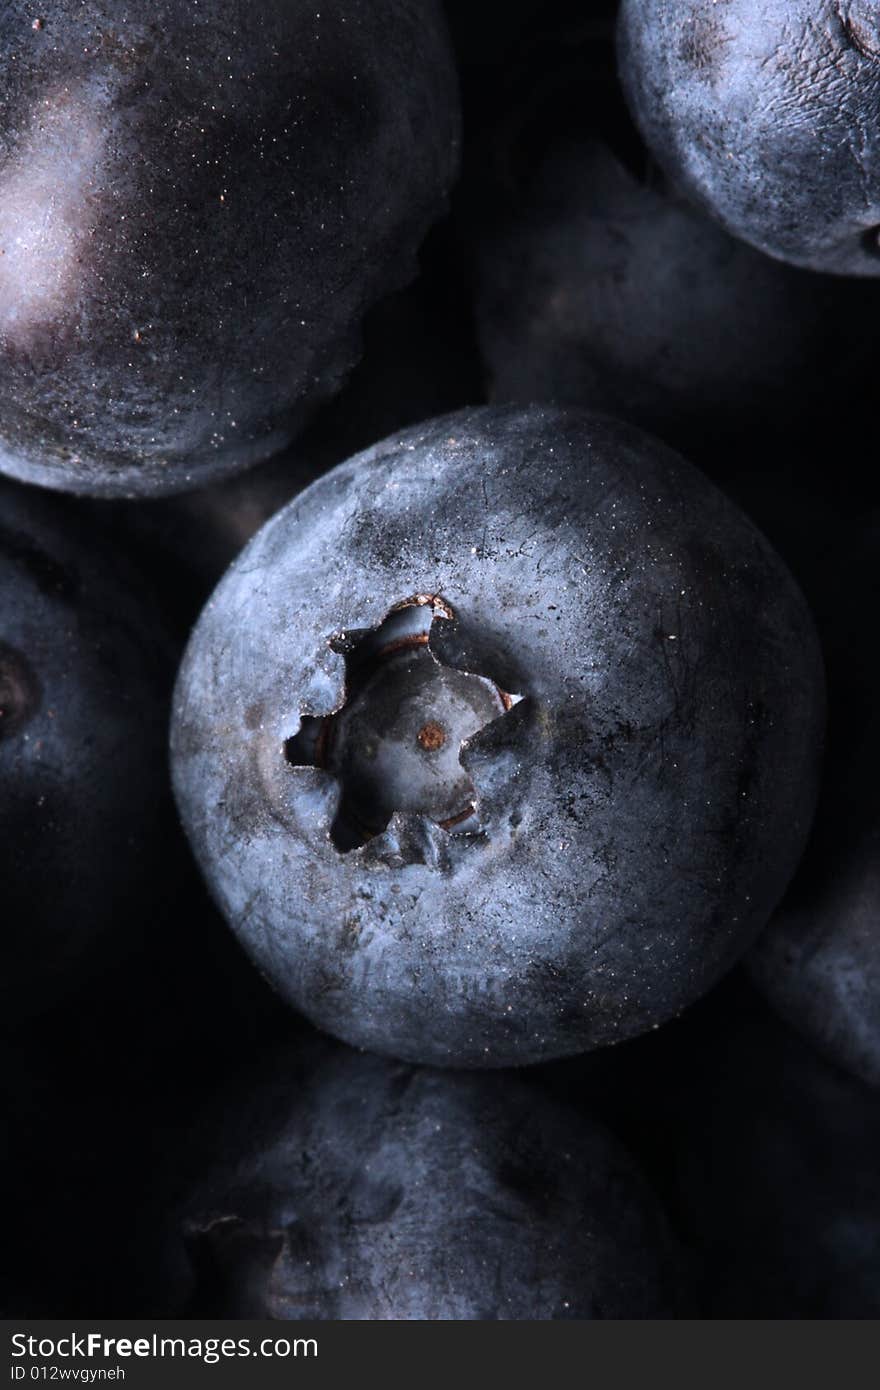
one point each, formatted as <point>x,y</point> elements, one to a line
<point>605,289</point>
<point>818,962</point>
<point>357,1188</point>
<point>765,114</point>
<point>197,206</point>
<point>638,814</point>
<point>85,682</point>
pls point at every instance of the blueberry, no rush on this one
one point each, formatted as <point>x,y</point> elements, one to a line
<point>356,1188</point>
<point>486,743</point>
<point>767,116</point>
<point>197,205</point>
<point>818,962</point>
<point>778,1175</point>
<point>600,287</point>
<point>85,678</point>
<point>416,363</point>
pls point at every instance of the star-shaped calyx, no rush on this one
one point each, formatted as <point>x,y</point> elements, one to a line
<point>395,743</point>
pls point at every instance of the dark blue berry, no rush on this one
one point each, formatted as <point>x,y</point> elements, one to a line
<point>635,782</point>
<point>198,203</point>
<point>766,114</point>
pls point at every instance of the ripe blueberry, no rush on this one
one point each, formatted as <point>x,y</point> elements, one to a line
<point>818,962</point>
<point>198,203</point>
<point>357,1188</point>
<point>610,649</point>
<point>85,675</point>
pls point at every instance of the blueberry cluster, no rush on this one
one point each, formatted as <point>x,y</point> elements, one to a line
<point>438,733</point>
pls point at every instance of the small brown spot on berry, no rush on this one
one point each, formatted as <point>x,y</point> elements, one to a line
<point>432,736</point>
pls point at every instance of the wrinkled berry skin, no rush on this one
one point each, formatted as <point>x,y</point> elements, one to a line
<point>818,962</point>
<point>198,203</point>
<point>638,812</point>
<point>85,679</point>
<point>766,114</point>
<point>357,1188</point>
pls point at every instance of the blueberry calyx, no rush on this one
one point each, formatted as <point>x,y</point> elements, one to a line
<point>395,742</point>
